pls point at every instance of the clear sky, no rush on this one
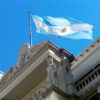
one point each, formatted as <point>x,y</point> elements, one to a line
<point>14,24</point>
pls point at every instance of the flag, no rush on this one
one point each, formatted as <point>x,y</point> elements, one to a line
<point>64,27</point>
<point>1,74</point>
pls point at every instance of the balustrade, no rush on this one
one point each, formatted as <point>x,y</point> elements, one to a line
<point>88,79</point>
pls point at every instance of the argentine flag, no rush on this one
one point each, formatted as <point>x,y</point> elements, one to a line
<point>1,74</point>
<point>64,27</point>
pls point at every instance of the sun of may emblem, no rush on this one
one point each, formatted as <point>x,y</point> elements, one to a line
<point>64,29</point>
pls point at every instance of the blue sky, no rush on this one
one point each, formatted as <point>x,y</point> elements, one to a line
<point>14,24</point>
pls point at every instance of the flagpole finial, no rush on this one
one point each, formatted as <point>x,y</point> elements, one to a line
<point>30,29</point>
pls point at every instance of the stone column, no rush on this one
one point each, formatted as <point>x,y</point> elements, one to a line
<point>66,67</point>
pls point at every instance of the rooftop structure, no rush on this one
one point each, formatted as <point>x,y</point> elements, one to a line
<point>46,72</point>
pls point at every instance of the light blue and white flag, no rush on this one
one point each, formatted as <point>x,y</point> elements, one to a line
<point>64,27</point>
<point>1,74</point>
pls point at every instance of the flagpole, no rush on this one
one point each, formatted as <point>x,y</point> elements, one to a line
<point>30,29</point>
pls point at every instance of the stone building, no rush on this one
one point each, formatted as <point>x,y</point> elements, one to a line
<point>46,72</point>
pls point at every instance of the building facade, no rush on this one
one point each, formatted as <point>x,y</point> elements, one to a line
<point>46,72</point>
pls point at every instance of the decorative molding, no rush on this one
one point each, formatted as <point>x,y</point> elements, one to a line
<point>38,94</point>
<point>57,90</point>
<point>89,50</point>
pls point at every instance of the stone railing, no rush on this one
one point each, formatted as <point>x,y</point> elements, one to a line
<point>89,80</point>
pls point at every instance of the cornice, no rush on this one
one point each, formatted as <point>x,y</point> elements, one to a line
<point>23,68</point>
<point>57,90</point>
<point>41,47</point>
<point>86,53</point>
<point>50,45</point>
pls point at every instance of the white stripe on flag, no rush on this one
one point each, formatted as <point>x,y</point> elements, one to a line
<point>62,30</point>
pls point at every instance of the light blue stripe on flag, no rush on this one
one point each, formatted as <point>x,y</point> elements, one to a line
<point>64,27</point>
